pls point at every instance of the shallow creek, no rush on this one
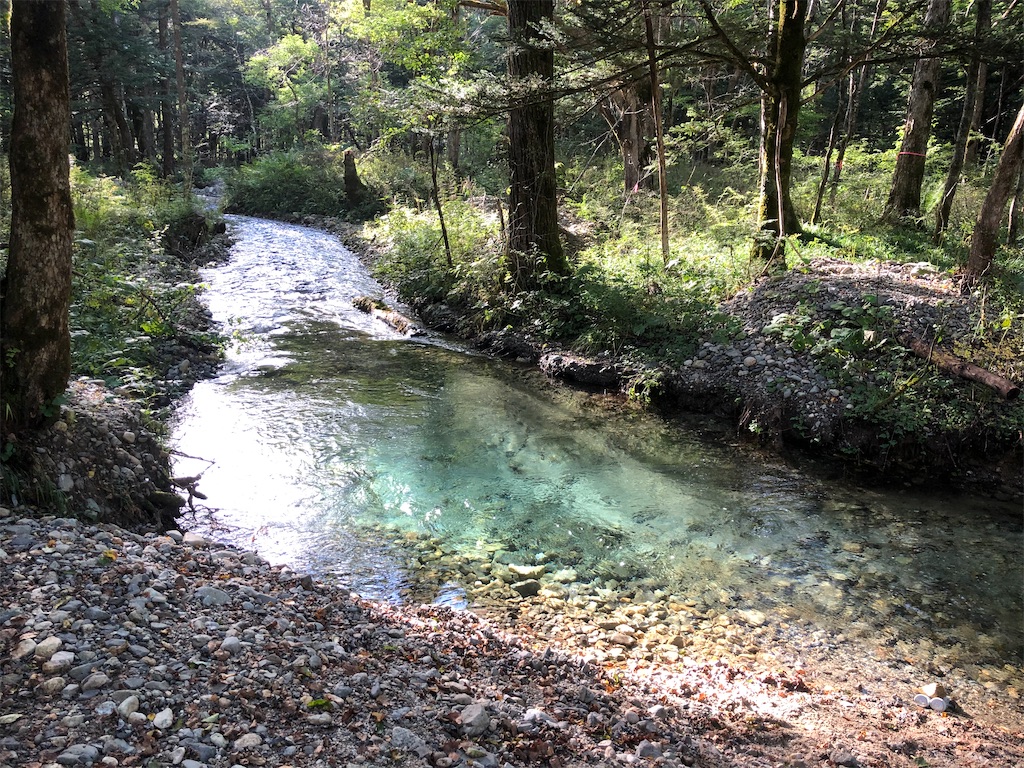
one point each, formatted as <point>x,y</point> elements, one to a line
<point>413,469</point>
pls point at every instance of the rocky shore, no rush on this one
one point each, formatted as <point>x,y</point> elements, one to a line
<point>119,648</point>
<point>155,647</point>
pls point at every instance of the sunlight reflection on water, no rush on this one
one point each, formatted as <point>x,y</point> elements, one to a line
<point>325,425</point>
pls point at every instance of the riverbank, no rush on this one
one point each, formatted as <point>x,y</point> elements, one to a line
<point>674,681</point>
<point>123,649</point>
<point>815,362</point>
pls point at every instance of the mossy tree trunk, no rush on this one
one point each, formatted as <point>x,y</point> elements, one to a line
<point>780,111</point>
<point>533,242</point>
<point>35,344</point>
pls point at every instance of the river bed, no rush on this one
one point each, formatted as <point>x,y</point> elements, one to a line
<point>414,469</point>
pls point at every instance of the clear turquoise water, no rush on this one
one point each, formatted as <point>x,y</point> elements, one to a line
<point>325,425</point>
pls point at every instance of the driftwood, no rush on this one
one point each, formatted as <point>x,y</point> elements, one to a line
<point>961,368</point>
<point>396,320</point>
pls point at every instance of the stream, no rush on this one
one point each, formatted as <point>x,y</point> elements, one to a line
<point>328,442</point>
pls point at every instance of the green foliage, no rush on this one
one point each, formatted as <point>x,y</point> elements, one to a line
<point>121,310</point>
<point>298,182</point>
<point>846,330</point>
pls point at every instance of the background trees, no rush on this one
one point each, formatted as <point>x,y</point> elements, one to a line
<point>535,106</point>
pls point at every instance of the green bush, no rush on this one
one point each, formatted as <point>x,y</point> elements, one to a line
<point>123,306</point>
<point>295,183</point>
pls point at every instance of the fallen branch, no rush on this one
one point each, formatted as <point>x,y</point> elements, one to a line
<point>961,368</point>
<point>396,320</point>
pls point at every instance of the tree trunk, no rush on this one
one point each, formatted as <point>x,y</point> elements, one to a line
<point>963,131</point>
<point>166,109</point>
<point>826,165</point>
<point>857,85</point>
<point>35,348</point>
<point>184,123</point>
<point>780,110</point>
<point>142,130</point>
<point>625,110</point>
<point>905,193</point>
<point>453,150</point>
<point>652,65</point>
<point>975,141</point>
<point>534,245</point>
<point>355,190</point>
<point>986,230</point>
<point>1014,217</point>
<point>78,141</point>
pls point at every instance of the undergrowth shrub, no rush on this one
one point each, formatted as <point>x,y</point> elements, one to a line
<point>299,182</point>
<point>122,308</point>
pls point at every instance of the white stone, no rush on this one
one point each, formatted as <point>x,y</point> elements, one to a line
<point>247,741</point>
<point>46,648</point>
<point>164,719</point>
<point>194,540</point>
<point>128,706</point>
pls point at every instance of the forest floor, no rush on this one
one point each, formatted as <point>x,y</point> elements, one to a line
<point>128,647</point>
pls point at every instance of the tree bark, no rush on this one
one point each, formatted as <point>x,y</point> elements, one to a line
<point>355,190</point>
<point>534,245</point>
<point>857,85</point>
<point>986,231</point>
<point>963,132</point>
<point>166,97</point>
<point>975,141</point>
<point>184,123</point>
<point>780,111</point>
<point>905,192</point>
<point>35,345</point>
<point>1014,217</point>
<point>659,129</point>
<point>962,368</point>
<point>625,111</point>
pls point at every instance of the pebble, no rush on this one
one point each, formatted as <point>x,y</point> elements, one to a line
<point>247,741</point>
<point>129,705</point>
<point>163,719</point>
<point>46,648</point>
<point>474,720</point>
<point>312,670</point>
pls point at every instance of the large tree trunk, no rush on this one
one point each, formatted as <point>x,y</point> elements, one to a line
<point>184,123</point>
<point>780,111</point>
<point>166,107</point>
<point>533,242</point>
<point>986,230</point>
<point>905,193</point>
<point>956,164</point>
<point>626,112</point>
<point>35,347</point>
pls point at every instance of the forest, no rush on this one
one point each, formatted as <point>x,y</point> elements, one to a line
<point>679,425</point>
<point>601,177</point>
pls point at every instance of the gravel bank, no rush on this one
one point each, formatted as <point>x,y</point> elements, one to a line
<point>125,649</point>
